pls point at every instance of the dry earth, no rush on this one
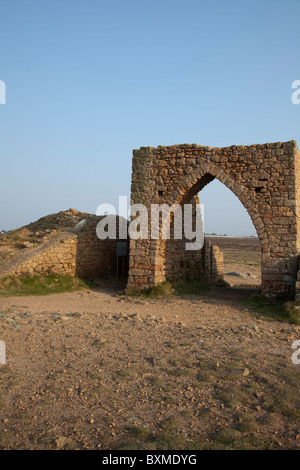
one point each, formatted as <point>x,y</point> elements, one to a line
<point>96,370</point>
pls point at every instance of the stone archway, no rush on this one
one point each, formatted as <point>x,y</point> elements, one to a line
<point>264,177</point>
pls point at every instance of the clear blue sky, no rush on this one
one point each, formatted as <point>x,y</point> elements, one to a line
<point>88,81</point>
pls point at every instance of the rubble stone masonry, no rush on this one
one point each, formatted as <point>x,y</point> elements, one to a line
<point>265,178</point>
<point>76,253</point>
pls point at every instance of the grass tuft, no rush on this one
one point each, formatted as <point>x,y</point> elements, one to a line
<point>42,285</point>
<point>279,310</point>
<point>189,286</point>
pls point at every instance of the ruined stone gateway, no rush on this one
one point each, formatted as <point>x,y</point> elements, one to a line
<point>264,177</point>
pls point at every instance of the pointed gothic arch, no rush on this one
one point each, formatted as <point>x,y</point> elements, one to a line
<point>263,177</point>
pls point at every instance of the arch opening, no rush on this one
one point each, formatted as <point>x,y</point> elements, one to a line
<point>228,226</point>
<point>237,257</point>
<point>262,176</point>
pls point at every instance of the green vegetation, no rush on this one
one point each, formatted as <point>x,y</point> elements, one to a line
<point>138,432</point>
<point>161,290</point>
<point>281,310</point>
<point>42,285</point>
<point>189,286</point>
<point>224,439</point>
<point>130,373</point>
<point>170,424</point>
<point>155,381</point>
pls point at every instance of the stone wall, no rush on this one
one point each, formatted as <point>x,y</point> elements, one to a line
<point>264,177</point>
<point>297,287</point>
<point>213,268</point>
<point>94,257</point>
<point>79,253</point>
<point>179,262</point>
<point>55,256</point>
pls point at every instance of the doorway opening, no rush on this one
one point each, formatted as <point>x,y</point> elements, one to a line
<point>228,225</point>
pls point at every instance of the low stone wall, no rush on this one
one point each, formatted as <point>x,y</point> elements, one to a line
<point>213,263</point>
<point>79,253</point>
<point>56,256</point>
<point>181,263</point>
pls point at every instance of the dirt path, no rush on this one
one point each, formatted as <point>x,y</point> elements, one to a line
<point>95,370</point>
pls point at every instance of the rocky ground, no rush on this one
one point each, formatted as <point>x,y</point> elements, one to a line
<point>96,370</point>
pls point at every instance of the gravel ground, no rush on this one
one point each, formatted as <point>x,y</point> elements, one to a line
<point>96,370</point>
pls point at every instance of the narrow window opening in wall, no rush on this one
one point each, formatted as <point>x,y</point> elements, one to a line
<point>160,193</point>
<point>258,189</point>
<point>262,179</point>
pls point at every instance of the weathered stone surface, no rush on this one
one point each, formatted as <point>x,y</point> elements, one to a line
<point>265,178</point>
<point>79,253</point>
